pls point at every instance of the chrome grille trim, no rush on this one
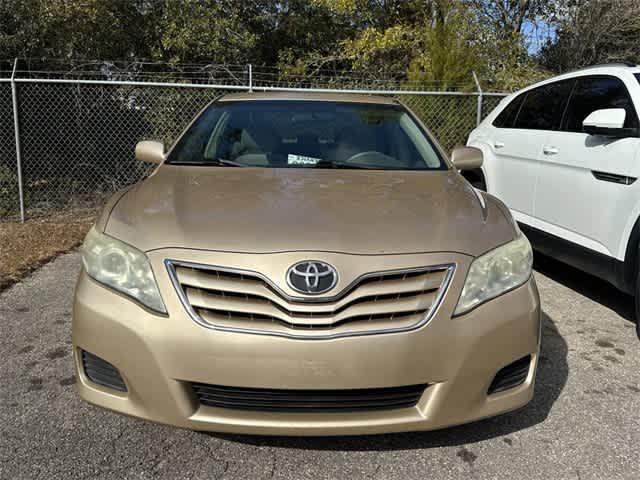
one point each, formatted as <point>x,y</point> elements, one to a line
<point>310,314</point>
<point>312,326</point>
<point>172,264</point>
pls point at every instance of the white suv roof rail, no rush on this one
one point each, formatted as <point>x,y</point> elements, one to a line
<point>604,65</point>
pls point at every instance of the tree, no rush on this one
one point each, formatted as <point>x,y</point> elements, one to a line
<point>64,29</point>
<point>424,42</point>
<point>392,38</point>
<point>594,31</point>
<point>367,36</point>
<point>449,50</point>
<point>294,29</point>
<point>440,42</point>
<point>505,19</point>
<point>215,31</point>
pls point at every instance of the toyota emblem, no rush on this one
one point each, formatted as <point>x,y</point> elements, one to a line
<point>312,277</point>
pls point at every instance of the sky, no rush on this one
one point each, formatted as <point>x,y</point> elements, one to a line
<point>537,34</point>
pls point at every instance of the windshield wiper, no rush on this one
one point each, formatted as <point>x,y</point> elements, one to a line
<point>344,165</point>
<point>215,162</point>
<point>226,163</point>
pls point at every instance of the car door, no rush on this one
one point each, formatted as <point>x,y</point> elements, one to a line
<point>518,146</point>
<point>584,181</point>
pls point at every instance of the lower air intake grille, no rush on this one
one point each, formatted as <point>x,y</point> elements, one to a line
<point>308,400</point>
<point>511,376</point>
<point>102,372</point>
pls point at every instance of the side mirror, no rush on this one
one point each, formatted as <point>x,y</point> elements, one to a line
<point>608,122</point>
<point>150,151</point>
<point>466,158</point>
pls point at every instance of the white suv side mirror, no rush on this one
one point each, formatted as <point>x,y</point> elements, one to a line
<point>608,122</point>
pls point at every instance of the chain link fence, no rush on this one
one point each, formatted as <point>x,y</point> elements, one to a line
<point>9,195</point>
<point>77,136</point>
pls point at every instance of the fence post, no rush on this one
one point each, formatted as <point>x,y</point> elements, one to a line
<point>16,130</point>
<point>479,106</point>
<point>250,78</point>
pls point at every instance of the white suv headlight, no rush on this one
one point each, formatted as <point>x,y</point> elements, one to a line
<point>121,267</point>
<point>496,272</point>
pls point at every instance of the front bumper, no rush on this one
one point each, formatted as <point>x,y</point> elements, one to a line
<point>158,358</point>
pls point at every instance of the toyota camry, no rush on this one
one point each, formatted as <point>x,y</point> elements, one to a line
<point>306,264</point>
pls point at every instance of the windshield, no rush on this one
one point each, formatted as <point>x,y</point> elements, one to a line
<point>306,134</point>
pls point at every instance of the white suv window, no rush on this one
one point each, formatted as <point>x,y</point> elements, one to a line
<point>508,116</point>
<point>594,93</point>
<point>543,107</point>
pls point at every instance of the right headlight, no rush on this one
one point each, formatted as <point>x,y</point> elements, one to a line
<point>496,272</point>
<point>121,267</point>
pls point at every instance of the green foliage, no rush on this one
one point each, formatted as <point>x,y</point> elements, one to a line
<point>293,29</point>
<point>439,43</point>
<point>69,29</point>
<point>435,43</point>
<point>381,52</point>
<point>449,53</point>
<point>203,30</point>
<point>592,32</point>
<point>514,69</point>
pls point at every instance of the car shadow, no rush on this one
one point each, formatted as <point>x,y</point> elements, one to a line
<point>587,285</point>
<point>551,378</point>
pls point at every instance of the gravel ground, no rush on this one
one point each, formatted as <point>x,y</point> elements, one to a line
<point>583,422</point>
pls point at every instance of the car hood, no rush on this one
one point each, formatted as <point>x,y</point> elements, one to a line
<point>264,210</point>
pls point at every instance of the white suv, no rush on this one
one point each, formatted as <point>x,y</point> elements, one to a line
<point>564,155</point>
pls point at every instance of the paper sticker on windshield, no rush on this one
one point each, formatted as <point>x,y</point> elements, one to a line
<point>293,159</point>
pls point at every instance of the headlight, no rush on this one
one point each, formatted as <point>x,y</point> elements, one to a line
<point>121,267</point>
<point>496,272</point>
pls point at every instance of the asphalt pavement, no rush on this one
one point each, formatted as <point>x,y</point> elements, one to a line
<point>583,422</point>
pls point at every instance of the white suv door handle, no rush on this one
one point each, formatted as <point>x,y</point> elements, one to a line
<point>550,151</point>
<point>498,144</point>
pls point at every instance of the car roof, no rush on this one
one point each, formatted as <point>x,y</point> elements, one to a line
<point>604,69</point>
<point>306,96</point>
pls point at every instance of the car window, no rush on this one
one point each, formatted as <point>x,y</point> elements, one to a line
<point>507,117</point>
<point>302,134</point>
<point>594,93</point>
<point>543,106</point>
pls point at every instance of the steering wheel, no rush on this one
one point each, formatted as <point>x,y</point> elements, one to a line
<point>371,157</point>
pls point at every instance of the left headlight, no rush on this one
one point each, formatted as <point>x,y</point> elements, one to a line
<point>496,272</point>
<point>121,267</point>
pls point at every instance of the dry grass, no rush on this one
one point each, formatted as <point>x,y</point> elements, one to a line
<point>25,247</point>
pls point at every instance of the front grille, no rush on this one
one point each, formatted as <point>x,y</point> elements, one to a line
<point>102,372</point>
<point>246,301</point>
<point>511,376</point>
<point>263,399</point>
